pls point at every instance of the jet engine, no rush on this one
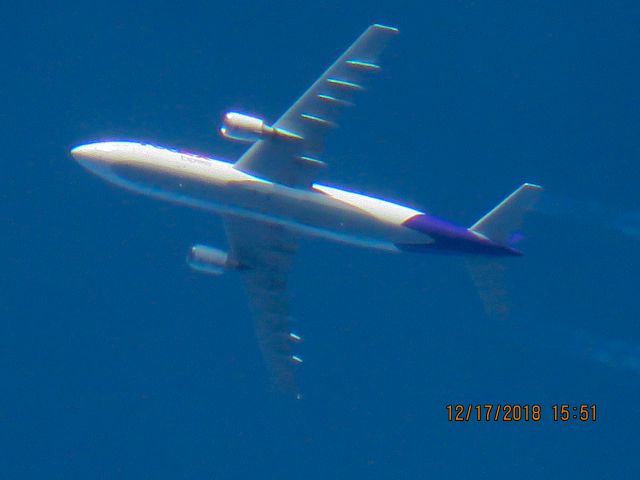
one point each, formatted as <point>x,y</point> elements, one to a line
<point>244,128</point>
<point>209,260</point>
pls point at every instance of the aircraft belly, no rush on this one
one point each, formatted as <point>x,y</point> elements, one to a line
<point>317,214</point>
<point>306,211</point>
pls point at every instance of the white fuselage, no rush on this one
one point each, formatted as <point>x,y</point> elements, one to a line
<point>216,186</point>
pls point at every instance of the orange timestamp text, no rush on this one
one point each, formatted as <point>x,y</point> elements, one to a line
<point>517,412</point>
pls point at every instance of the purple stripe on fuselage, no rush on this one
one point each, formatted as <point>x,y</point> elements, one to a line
<point>450,238</point>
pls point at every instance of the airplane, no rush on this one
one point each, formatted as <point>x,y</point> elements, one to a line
<point>269,199</point>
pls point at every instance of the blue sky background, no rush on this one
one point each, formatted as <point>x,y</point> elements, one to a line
<point>118,362</point>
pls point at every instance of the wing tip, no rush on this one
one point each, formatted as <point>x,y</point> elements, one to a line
<point>385,27</point>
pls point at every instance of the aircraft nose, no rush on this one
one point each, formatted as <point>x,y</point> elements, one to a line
<point>85,152</point>
<point>93,156</point>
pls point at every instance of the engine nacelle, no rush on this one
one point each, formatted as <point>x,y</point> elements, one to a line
<point>244,128</point>
<point>209,260</point>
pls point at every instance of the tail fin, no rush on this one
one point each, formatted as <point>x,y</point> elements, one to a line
<point>501,223</point>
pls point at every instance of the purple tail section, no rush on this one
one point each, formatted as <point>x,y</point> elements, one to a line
<point>494,234</point>
<point>453,239</point>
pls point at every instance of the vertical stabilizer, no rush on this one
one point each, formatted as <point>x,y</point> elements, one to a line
<point>501,223</point>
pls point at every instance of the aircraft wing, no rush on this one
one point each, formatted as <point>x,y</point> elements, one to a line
<point>263,253</point>
<point>296,162</point>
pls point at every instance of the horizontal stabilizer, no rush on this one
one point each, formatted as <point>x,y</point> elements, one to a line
<point>504,221</point>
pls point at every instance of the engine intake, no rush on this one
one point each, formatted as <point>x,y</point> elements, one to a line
<point>208,260</point>
<point>244,128</point>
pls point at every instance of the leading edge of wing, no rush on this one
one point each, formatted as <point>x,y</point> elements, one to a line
<point>297,162</point>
